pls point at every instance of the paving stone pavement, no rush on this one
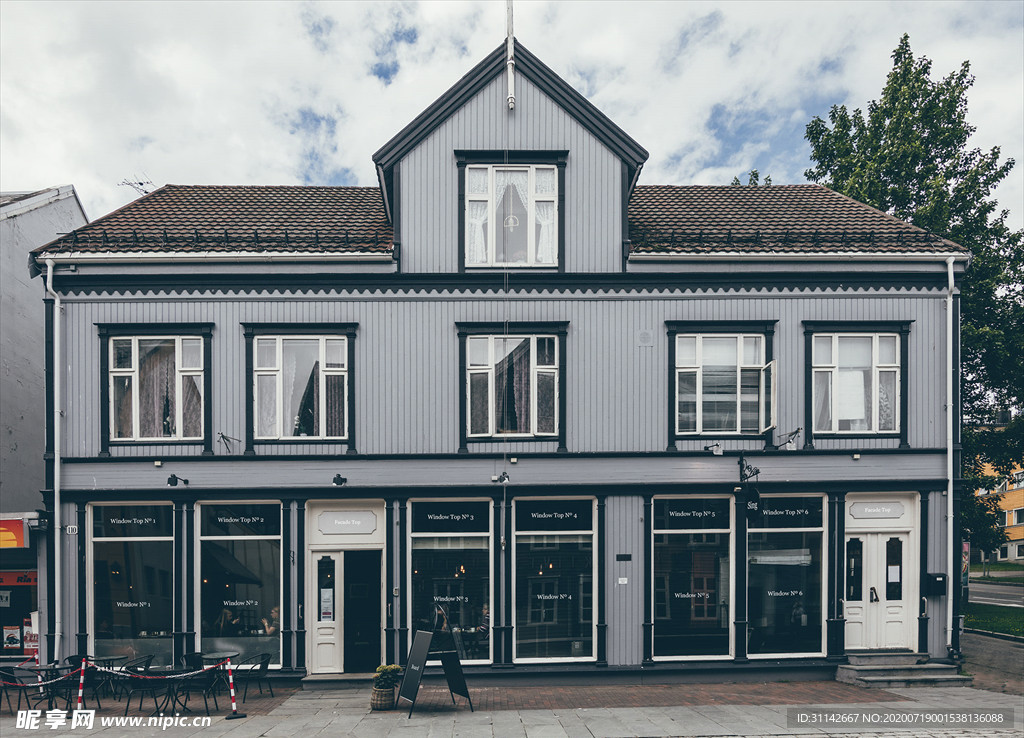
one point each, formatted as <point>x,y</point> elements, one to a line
<point>748,710</point>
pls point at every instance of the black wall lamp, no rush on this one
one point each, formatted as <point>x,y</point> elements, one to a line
<point>714,448</point>
<point>501,478</point>
<point>172,481</point>
<point>339,481</point>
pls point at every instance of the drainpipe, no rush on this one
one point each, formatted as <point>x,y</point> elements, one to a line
<point>58,617</point>
<point>950,411</point>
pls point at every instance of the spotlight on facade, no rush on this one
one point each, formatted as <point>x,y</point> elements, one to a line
<point>501,478</point>
<point>339,481</point>
<point>172,481</point>
<point>715,448</point>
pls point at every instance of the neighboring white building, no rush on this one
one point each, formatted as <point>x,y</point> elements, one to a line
<point>27,220</point>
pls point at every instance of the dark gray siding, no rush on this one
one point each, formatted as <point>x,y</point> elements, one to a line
<point>430,187</point>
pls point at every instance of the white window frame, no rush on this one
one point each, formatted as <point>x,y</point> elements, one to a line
<point>530,225</point>
<point>197,558</point>
<point>592,532</point>
<point>180,372</point>
<point>767,384</point>
<point>489,370</point>
<point>823,572</point>
<point>454,535</point>
<point>278,373</point>
<point>877,368</point>
<point>730,533</point>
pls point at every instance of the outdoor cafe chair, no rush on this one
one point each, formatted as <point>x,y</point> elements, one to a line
<point>256,671</point>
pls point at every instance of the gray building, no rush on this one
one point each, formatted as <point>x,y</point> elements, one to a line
<point>27,220</point>
<point>589,424</point>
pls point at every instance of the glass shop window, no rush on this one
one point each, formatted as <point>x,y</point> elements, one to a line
<point>240,579</point>
<point>451,572</point>
<point>785,575</point>
<point>132,581</point>
<point>554,579</point>
<point>692,576</point>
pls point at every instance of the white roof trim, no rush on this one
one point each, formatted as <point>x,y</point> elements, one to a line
<point>801,256</point>
<point>142,257</point>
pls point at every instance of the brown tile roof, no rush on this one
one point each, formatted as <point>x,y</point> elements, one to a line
<point>188,218</point>
<point>807,218</point>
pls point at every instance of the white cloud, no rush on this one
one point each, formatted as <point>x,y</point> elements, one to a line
<point>277,92</point>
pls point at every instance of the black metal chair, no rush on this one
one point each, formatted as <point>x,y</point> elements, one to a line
<point>192,660</point>
<point>256,671</point>
<point>24,682</point>
<point>204,683</point>
<point>93,678</point>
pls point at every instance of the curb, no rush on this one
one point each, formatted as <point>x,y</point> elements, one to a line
<point>1003,636</point>
<point>997,583</point>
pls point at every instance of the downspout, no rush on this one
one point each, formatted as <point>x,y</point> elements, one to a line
<point>58,618</point>
<point>950,411</point>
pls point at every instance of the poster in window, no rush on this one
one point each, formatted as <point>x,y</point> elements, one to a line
<point>327,604</point>
<point>12,636</point>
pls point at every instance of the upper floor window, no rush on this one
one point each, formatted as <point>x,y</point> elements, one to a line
<point>300,382</point>
<point>855,379</point>
<point>156,388</point>
<point>856,382</point>
<point>723,384</point>
<point>156,383</point>
<point>513,382</point>
<point>511,216</point>
<point>721,378</point>
<point>511,208</point>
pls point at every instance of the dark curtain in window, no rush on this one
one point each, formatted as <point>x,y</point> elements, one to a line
<point>512,389</point>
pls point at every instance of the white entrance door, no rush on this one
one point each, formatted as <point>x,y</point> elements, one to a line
<point>327,651</point>
<point>879,591</point>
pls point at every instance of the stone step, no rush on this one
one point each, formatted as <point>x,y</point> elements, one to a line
<point>899,682</point>
<point>895,658</point>
<point>853,671</point>
<point>336,681</point>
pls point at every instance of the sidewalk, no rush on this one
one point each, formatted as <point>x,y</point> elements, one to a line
<point>594,712</point>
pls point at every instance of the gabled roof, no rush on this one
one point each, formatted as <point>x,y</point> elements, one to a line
<point>186,219</point>
<point>537,72</point>
<point>778,219</point>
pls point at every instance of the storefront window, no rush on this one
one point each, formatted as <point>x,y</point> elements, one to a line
<point>554,579</point>
<point>691,576</point>
<point>451,570</point>
<point>133,581</point>
<point>240,590</point>
<point>785,571</point>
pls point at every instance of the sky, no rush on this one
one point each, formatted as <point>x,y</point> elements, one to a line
<point>97,93</point>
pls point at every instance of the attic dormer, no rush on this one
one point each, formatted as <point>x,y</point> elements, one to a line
<point>474,184</point>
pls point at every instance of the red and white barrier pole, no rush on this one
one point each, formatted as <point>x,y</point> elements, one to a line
<point>81,684</point>
<point>39,674</point>
<point>235,714</point>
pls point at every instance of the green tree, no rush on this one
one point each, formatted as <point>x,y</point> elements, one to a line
<point>753,179</point>
<point>909,156</point>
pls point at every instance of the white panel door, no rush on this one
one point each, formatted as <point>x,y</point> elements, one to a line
<point>325,592</point>
<point>879,591</point>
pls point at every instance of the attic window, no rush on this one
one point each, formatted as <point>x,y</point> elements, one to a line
<point>511,208</point>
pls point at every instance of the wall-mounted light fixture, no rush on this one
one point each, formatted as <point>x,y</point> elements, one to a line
<point>339,481</point>
<point>714,448</point>
<point>172,481</point>
<point>501,478</point>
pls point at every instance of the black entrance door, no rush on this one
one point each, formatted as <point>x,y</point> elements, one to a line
<point>362,611</point>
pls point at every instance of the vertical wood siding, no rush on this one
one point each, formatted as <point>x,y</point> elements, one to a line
<point>624,534</point>
<point>430,186</point>
<point>406,367</point>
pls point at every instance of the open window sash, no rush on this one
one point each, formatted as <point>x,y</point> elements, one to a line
<point>768,396</point>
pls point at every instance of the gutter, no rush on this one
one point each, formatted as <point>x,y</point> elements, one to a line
<point>58,618</point>
<point>801,256</point>
<point>142,257</point>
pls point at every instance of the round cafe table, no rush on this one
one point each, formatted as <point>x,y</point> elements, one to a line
<point>217,657</point>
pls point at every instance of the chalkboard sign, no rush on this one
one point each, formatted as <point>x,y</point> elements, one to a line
<point>417,662</point>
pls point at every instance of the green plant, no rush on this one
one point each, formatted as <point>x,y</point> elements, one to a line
<point>387,676</point>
